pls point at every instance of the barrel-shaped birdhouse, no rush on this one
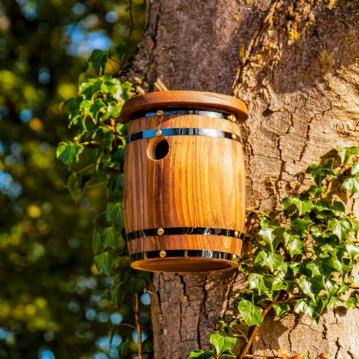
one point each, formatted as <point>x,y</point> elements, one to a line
<point>184,181</point>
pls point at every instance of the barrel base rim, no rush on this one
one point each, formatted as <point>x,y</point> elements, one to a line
<point>185,262</point>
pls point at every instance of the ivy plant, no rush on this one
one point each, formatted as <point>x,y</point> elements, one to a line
<point>95,157</point>
<point>300,257</point>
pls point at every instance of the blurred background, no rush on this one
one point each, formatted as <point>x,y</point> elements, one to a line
<point>51,303</point>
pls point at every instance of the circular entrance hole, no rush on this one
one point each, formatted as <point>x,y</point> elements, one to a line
<point>158,148</point>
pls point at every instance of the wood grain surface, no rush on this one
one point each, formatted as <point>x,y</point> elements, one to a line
<point>200,183</point>
<point>184,265</point>
<point>186,242</point>
<point>198,99</point>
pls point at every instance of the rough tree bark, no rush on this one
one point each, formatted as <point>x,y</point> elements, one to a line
<point>295,64</point>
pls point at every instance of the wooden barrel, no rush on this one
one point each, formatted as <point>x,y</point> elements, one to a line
<point>184,181</point>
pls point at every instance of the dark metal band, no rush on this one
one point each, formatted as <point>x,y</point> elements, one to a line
<point>184,230</point>
<point>185,253</point>
<point>186,111</point>
<point>209,132</point>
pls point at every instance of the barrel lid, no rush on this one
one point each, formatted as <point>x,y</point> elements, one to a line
<point>176,99</point>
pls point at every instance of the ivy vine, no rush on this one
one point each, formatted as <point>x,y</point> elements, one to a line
<point>300,256</point>
<point>95,158</point>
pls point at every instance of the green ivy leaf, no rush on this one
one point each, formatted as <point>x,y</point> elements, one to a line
<point>355,227</point>
<point>333,303</point>
<point>301,226</point>
<point>98,108</point>
<point>98,58</point>
<point>108,235</point>
<point>225,326</point>
<point>338,207</point>
<point>355,168</point>
<point>302,206</point>
<point>112,294</point>
<point>94,156</point>
<point>315,191</point>
<point>118,155</point>
<point>123,349</point>
<point>336,264</point>
<point>89,88</point>
<point>115,213</point>
<point>112,87</point>
<point>286,285</point>
<point>71,104</point>
<point>319,267</point>
<point>106,140</point>
<point>352,250</point>
<point>312,286</point>
<point>113,111</point>
<point>293,244</point>
<point>200,354</point>
<point>346,152</point>
<point>72,184</point>
<point>104,261</point>
<point>342,289</point>
<point>322,238</point>
<point>135,285</point>
<point>124,129</point>
<point>322,210</point>
<point>147,346</point>
<point>351,185</point>
<point>261,283</point>
<point>120,241</point>
<point>319,173</point>
<point>116,183</point>
<point>305,306</point>
<point>312,309</point>
<point>340,228</point>
<point>69,152</point>
<point>332,288</point>
<point>252,315</point>
<point>222,342</point>
<point>79,121</point>
<point>121,51</point>
<point>350,303</point>
<point>228,353</point>
<point>96,242</point>
<point>271,233</point>
<point>85,105</point>
<point>272,260</point>
<point>281,309</point>
<point>296,247</point>
<point>126,90</point>
<point>288,207</point>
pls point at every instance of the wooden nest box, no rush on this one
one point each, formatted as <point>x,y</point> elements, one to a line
<point>184,188</point>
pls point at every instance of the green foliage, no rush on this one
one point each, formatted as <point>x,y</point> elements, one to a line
<point>319,173</point>
<point>98,59</point>
<point>201,354</point>
<point>302,255</point>
<point>69,152</point>
<point>96,158</point>
<point>251,314</point>
<point>223,343</point>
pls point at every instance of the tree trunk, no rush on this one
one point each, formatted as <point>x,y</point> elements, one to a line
<point>295,65</point>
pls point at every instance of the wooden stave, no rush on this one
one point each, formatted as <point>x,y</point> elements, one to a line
<point>186,242</point>
<point>136,192</point>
